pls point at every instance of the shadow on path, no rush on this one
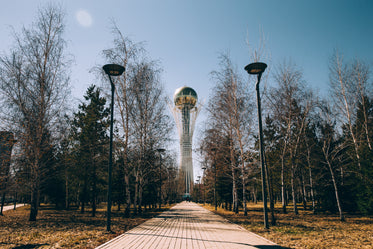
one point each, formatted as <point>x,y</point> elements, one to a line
<point>29,246</point>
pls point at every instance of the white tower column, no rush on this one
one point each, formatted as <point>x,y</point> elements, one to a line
<point>185,114</point>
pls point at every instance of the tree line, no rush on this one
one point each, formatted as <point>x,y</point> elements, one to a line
<point>318,151</point>
<point>61,156</point>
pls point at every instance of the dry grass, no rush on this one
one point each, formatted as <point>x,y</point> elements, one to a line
<point>63,229</point>
<point>307,230</point>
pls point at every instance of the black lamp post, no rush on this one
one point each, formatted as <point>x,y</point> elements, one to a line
<point>111,70</point>
<point>214,164</point>
<point>169,192</point>
<point>204,195</point>
<point>258,68</point>
<point>160,176</point>
<point>199,188</point>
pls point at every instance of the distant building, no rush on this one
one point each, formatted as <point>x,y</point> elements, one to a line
<point>6,144</point>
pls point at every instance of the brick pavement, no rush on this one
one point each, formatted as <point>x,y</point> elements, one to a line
<point>188,225</point>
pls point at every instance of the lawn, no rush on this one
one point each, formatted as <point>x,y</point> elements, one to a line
<point>306,230</point>
<point>63,228</point>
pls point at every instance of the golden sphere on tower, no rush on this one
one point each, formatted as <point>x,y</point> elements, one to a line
<point>185,97</point>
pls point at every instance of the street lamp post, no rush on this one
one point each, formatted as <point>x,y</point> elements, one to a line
<point>214,164</point>
<point>199,188</point>
<point>160,176</point>
<point>203,175</point>
<point>169,192</point>
<point>258,68</point>
<point>111,70</point>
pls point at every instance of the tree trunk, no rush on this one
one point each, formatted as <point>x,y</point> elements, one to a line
<point>244,192</point>
<point>283,196</point>
<point>234,186</point>
<point>243,186</point>
<point>271,198</point>
<point>127,210</point>
<point>84,194</point>
<point>304,197</point>
<point>140,195</point>
<point>293,192</point>
<point>94,189</point>
<point>311,179</point>
<point>66,189</point>
<point>35,196</point>
<point>254,194</point>
<point>312,193</point>
<point>336,192</point>
<point>136,192</point>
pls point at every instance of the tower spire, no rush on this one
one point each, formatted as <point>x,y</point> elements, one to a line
<point>185,113</point>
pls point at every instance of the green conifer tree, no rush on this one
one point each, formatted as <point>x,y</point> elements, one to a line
<point>90,126</point>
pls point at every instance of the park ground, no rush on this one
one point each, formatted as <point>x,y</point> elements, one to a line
<point>71,229</point>
<point>306,230</point>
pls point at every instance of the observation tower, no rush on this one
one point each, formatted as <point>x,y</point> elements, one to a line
<point>185,113</point>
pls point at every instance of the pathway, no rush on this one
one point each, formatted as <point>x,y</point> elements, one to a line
<point>11,207</point>
<point>188,225</point>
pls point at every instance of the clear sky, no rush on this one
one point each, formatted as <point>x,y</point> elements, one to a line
<point>186,36</point>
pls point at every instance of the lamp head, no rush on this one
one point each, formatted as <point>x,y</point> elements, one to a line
<point>113,69</point>
<point>256,68</point>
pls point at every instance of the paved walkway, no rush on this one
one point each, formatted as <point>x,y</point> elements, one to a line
<point>188,225</point>
<point>11,207</point>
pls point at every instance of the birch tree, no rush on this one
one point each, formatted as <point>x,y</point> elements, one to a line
<point>332,150</point>
<point>350,93</point>
<point>350,87</point>
<point>150,124</point>
<point>290,104</point>
<point>34,86</point>
<point>124,52</point>
<point>231,107</point>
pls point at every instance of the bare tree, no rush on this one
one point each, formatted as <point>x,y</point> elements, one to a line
<point>310,144</point>
<point>34,85</point>
<point>332,150</point>
<point>143,124</point>
<point>126,53</point>
<point>363,86</point>
<point>290,104</point>
<point>231,105</point>
<point>151,126</point>
<point>350,87</point>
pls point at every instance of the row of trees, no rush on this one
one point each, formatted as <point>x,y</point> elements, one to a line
<point>62,156</point>
<point>318,151</point>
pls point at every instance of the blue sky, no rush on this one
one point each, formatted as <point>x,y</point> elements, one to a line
<point>187,36</point>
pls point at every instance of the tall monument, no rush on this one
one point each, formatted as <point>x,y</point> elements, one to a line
<point>185,113</point>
